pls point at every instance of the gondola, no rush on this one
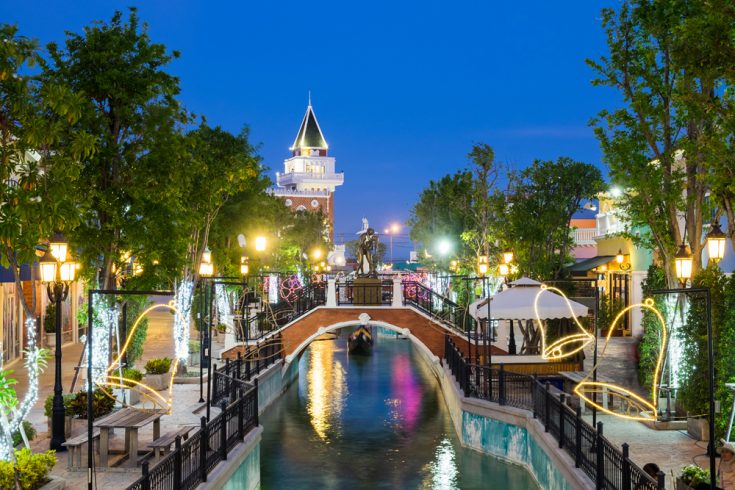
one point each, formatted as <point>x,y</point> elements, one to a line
<point>360,341</point>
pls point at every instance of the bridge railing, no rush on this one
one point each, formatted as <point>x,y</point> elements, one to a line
<point>605,464</point>
<point>348,292</point>
<point>437,306</point>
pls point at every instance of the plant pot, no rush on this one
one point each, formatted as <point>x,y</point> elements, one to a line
<point>698,429</point>
<point>158,382</point>
<point>680,485</point>
<point>50,340</point>
<point>77,426</point>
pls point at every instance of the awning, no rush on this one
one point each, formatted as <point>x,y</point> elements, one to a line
<point>589,264</point>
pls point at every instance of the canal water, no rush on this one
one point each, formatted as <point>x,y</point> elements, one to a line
<point>377,421</point>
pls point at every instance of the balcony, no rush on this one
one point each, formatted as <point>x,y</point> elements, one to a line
<point>585,236</point>
<point>308,178</point>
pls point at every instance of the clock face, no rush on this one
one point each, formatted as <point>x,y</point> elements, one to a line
<point>314,203</point>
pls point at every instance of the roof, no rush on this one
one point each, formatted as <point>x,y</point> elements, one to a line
<point>589,264</point>
<point>527,302</point>
<point>310,134</point>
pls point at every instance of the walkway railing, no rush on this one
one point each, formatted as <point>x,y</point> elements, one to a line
<point>606,465</point>
<point>257,358</point>
<point>191,461</point>
<point>347,292</point>
<point>437,306</point>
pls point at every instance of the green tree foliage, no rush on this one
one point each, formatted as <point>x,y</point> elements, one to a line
<point>694,392</point>
<point>672,64</point>
<point>649,346</point>
<point>543,198</point>
<point>131,110</point>
<point>37,177</point>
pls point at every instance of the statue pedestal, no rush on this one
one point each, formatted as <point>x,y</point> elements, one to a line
<point>366,291</point>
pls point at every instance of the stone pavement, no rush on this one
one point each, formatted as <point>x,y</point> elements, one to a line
<point>670,449</point>
<point>186,397</point>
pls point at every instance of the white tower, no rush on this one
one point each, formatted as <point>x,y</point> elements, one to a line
<point>309,179</point>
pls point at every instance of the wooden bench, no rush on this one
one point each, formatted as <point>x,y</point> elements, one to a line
<point>162,445</point>
<point>75,446</point>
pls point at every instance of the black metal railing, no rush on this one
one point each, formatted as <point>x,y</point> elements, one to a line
<point>437,306</point>
<point>349,293</point>
<point>192,460</point>
<point>250,363</point>
<point>608,466</point>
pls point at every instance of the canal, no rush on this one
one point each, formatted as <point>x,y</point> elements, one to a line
<point>375,421</point>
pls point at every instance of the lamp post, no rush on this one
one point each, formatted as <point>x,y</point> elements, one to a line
<point>716,243</point>
<point>394,229</point>
<point>206,270</point>
<point>57,273</point>
<point>504,270</point>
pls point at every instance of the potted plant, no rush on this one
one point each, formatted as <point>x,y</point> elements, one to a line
<point>157,373</point>
<point>49,325</point>
<point>132,394</point>
<point>48,406</point>
<point>32,470</point>
<point>691,475</point>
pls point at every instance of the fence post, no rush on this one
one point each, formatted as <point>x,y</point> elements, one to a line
<point>534,390</point>
<point>501,385</point>
<point>247,364</point>
<point>257,357</point>
<point>240,414</point>
<point>177,462</point>
<point>239,365</point>
<point>466,377</point>
<point>203,443</point>
<point>228,383</point>
<point>578,437</point>
<point>255,403</point>
<point>626,467</point>
<point>561,420</point>
<point>146,479</point>
<point>600,473</point>
<point>661,480</point>
<point>547,413</point>
<point>223,432</point>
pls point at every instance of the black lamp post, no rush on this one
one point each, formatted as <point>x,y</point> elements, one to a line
<point>206,270</point>
<point>57,273</point>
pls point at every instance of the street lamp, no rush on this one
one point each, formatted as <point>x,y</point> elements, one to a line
<point>260,244</point>
<point>683,262</point>
<point>619,258</point>
<point>392,230</point>
<point>716,243</point>
<point>482,265</point>
<point>206,270</point>
<point>206,267</point>
<point>244,266</point>
<point>504,270</point>
<point>57,273</point>
<point>508,257</point>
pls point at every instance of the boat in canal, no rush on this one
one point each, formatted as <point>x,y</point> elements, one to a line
<point>360,341</point>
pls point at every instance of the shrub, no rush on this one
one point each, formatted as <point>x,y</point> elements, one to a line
<point>33,469</point>
<point>692,475</point>
<point>193,346</point>
<point>29,430</point>
<point>158,366</point>
<point>48,405</point>
<point>102,404</point>
<point>650,344</point>
<point>49,318</point>
<point>132,374</point>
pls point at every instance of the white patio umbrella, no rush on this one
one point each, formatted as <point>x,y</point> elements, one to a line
<point>516,303</point>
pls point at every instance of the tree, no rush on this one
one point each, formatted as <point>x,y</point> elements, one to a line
<point>132,112</point>
<point>542,200</point>
<point>40,146</point>
<point>671,62</point>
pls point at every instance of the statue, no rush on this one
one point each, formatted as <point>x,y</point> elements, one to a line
<point>365,250</point>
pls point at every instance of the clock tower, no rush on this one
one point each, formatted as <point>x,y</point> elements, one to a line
<point>309,178</point>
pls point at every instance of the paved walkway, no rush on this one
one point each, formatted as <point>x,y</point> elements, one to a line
<point>670,449</point>
<point>158,343</point>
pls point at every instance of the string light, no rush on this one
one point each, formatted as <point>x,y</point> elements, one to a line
<point>565,346</point>
<point>182,305</point>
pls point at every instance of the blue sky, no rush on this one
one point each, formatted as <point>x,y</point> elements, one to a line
<point>401,89</point>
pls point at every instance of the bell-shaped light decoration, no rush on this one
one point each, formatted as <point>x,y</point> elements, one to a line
<point>716,243</point>
<point>683,261</point>
<point>48,267</point>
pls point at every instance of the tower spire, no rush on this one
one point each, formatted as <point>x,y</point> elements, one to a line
<point>309,98</point>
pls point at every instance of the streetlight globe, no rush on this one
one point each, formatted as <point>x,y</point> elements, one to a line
<point>683,261</point>
<point>317,254</point>
<point>503,269</point>
<point>68,271</point>
<point>619,258</point>
<point>260,243</point>
<point>508,257</point>
<point>716,240</point>
<point>395,228</point>
<point>48,267</point>
<point>444,246</point>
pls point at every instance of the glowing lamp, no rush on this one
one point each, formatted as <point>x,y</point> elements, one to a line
<point>503,270</point>
<point>508,257</point>
<point>317,254</point>
<point>329,268</point>
<point>58,247</point>
<point>207,256</point>
<point>67,271</point>
<point>482,264</point>
<point>206,270</point>
<point>395,228</point>
<point>716,243</point>
<point>244,266</point>
<point>619,258</point>
<point>444,247</point>
<point>683,261</point>
<point>260,244</point>
<point>48,267</point>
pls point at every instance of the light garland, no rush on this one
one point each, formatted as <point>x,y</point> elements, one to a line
<point>224,306</point>
<point>183,297</point>
<point>104,321</point>
<point>290,288</point>
<point>565,346</point>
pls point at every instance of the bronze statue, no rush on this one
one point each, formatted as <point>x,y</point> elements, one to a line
<point>365,250</point>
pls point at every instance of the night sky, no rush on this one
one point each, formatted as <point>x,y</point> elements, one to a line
<point>401,89</point>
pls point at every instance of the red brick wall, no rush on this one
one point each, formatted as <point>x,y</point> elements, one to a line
<point>326,204</point>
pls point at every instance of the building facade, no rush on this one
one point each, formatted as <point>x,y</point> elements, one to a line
<point>309,178</point>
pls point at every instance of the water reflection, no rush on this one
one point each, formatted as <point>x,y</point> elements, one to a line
<point>369,422</point>
<point>326,389</point>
